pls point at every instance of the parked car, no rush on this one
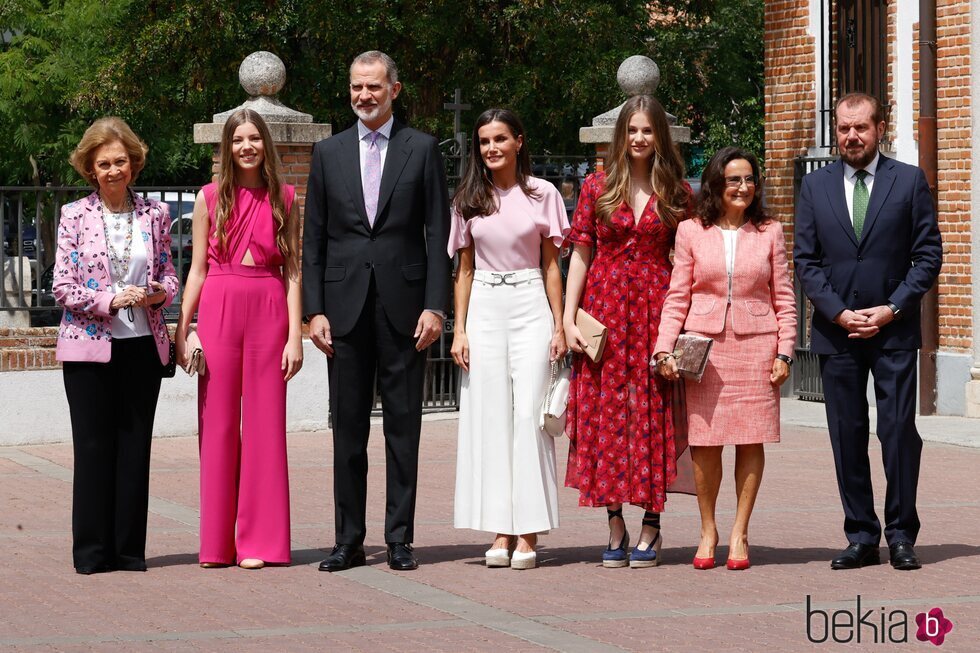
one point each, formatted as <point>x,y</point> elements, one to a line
<point>181,244</point>
<point>182,218</point>
<point>28,240</point>
<point>43,297</point>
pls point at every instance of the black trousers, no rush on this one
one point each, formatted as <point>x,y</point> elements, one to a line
<point>372,349</point>
<point>112,408</point>
<point>845,381</point>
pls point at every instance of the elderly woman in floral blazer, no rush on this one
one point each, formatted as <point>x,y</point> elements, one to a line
<point>113,275</point>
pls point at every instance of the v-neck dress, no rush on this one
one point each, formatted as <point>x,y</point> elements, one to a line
<point>620,422</point>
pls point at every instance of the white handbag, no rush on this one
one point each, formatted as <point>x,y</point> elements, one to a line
<point>553,408</point>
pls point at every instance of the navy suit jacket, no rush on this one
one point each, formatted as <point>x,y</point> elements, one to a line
<point>897,259</point>
<point>405,250</point>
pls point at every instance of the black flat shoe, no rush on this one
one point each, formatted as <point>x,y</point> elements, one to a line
<point>401,557</point>
<point>903,557</point>
<point>344,556</point>
<point>857,555</point>
<point>88,571</point>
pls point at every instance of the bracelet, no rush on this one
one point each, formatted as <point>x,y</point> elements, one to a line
<point>786,359</point>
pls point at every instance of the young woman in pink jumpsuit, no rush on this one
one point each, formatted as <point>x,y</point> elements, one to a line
<point>244,283</point>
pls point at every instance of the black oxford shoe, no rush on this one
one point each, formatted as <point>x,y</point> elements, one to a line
<point>903,556</point>
<point>344,556</point>
<point>401,557</point>
<point>857,555</point>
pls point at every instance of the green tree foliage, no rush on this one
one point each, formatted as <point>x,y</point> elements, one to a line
<point>164,65</point>
<point>710,57</point>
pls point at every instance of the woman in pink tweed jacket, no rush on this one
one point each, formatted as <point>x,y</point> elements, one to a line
<point>113,276</point>
<point>730,282</point>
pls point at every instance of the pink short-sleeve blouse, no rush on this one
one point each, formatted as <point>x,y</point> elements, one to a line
<point>510,239</point>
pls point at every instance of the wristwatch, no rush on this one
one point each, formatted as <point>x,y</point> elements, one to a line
<point>895,310</point>
<point>786,359</point>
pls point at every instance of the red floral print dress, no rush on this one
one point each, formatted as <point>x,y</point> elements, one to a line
<point>620,423</point>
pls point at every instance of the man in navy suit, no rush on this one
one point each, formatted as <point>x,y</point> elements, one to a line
<point>375,287</point>
<point>867,249</point>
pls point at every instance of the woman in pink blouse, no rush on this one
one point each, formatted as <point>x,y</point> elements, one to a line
<point>508,228</point>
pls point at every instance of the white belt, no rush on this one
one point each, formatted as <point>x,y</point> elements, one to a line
<point>514,278</point>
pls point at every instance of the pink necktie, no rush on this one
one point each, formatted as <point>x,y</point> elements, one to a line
<point>372,176</point>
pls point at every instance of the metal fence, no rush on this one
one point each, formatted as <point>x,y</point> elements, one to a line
<point>807,383</point>
<point>30,215</point>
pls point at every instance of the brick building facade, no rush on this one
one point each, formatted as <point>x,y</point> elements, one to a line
<point>817,49</point>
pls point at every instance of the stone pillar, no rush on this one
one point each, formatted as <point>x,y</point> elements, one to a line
<point>16,288</point>
<point>637,75</point>
<point>262,75</point>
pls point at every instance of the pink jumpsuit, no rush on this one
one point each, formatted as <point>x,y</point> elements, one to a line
<point>243,326</point>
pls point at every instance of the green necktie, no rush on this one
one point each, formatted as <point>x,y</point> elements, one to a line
<point>860,202</point>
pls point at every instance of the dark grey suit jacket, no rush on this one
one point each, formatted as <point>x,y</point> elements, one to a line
<point>406,248</point>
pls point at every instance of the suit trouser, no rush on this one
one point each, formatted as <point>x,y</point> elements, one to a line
<point>112,407</point>
<point>845,380</point>
<point>374,348</point>
<point>243,326</point>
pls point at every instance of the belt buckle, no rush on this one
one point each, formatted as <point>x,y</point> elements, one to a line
<point>498,279</point>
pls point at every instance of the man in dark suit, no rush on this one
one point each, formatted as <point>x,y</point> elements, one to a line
<point>375,284</point>
<point>867,249</point>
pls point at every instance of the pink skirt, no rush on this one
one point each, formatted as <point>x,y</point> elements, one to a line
<point>735,403</point>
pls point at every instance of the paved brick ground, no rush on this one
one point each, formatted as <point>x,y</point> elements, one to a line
<point>452,603</point>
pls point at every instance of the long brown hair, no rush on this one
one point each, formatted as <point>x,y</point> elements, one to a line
<point>711,202</point>
<point>270,174</point>
<point>667,170</point>
<point>475,194</point>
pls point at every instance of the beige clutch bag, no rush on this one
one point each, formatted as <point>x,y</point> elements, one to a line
<point>594,333</point>
<point>691,353</point>
<point>195,360</point>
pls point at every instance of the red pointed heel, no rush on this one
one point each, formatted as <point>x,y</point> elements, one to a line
<point>704,563</point>
<point>738,565</point>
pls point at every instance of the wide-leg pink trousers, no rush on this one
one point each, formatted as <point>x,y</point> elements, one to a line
<point>243,326</point>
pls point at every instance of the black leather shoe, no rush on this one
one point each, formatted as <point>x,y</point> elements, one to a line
<point>903,556</point>
<point>856,556</point>
<point>344,556</point>
<point>401,558</point>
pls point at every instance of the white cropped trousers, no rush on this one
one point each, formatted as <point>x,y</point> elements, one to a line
<point>506,480</point>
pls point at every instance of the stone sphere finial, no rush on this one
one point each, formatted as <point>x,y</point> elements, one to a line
<point>262,73</point>
<point>638,75</point>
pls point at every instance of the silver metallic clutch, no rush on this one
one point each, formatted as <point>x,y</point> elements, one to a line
<point>691,353</point>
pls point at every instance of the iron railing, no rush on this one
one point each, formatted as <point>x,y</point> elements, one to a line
<point>852,55</point>
<point>807,383</point>
<point>29,217</point>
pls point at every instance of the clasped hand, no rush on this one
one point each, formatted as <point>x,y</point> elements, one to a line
<point>864,322</point>
<point>137,296</point>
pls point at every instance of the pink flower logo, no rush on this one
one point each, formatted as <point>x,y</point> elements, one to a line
<point>933,626</point>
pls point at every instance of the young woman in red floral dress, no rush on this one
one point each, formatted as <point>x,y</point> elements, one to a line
<point>619,414</point>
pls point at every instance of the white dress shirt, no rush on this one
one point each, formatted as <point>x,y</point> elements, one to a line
<point>850,179</point>
<point>384,135</point>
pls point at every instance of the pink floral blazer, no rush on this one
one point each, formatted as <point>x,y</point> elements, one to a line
<point>83,284</point>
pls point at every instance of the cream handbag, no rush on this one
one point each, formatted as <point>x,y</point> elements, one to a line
<point>553,408</point>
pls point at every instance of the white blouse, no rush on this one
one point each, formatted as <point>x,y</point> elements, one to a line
<point>115,224</point>
<point>730,239</point>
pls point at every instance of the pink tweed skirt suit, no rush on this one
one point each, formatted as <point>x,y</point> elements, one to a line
<point>734,403</point>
